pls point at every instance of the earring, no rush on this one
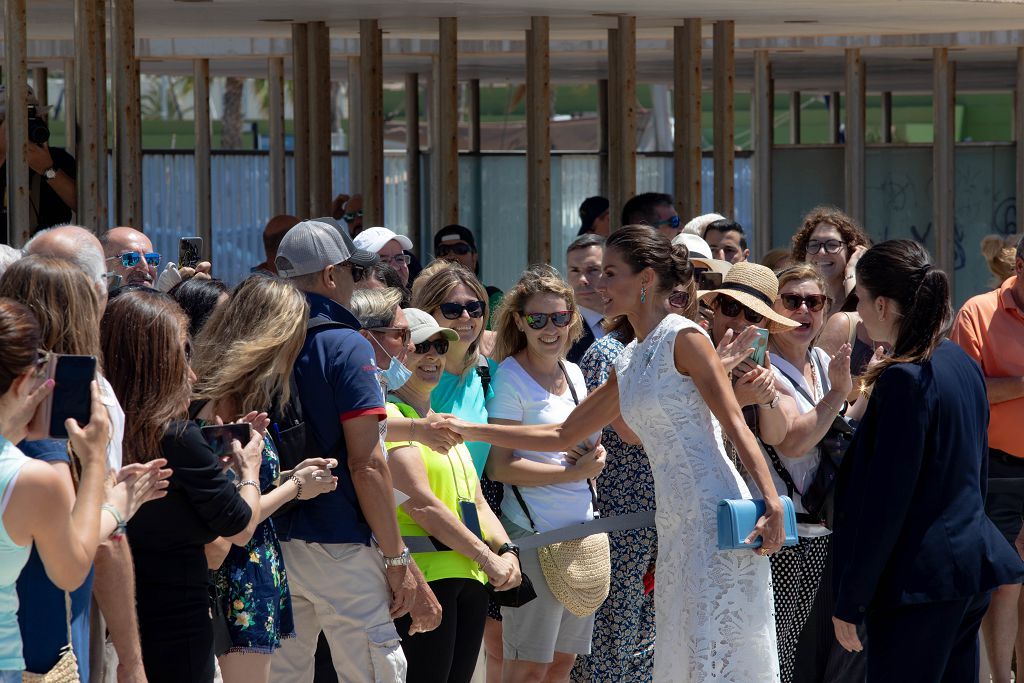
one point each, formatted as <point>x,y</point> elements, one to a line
<point>643,294</point>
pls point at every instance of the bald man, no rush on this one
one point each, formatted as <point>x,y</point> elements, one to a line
<point>78,245</point>
<point>129,253</point>
<point>273,233</point>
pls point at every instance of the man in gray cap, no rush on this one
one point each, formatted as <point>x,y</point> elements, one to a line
<point>348,569</point>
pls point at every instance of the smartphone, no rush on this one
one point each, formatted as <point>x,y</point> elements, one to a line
<point>467,510</point>
<point>760,346</point>
<point>709,280</point>
<point>219,436</point>
<point>190,252</point>
<point>71,395</point>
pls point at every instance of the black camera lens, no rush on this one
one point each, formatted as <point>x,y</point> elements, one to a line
<point>38,131</point>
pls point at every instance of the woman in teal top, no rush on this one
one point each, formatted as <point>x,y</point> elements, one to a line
<point>67,530</point>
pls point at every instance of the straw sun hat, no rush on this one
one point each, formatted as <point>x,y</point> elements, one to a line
<point>754,286</point>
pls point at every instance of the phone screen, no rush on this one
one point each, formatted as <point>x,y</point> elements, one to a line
<point>467,510</point>
<point>760,346</point>
<point>219,436</point>
<point>709,280</point>
<point>71,395</point>
<point>190,250</point>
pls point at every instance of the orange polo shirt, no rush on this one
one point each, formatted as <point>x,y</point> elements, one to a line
<point>990,328</point>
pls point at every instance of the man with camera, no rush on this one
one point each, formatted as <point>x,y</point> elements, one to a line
<point>52,194</point>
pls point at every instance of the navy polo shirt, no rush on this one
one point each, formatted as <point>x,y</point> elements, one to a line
<point>337,380</point>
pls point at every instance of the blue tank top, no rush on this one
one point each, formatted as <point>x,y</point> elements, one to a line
<point>12,559</point>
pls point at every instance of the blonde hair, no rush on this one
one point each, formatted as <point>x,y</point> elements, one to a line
<point>247,348</point>
<point>1000,254</point>
<point>433,287</point>
<point>375,307</point>
<point>539,279</point>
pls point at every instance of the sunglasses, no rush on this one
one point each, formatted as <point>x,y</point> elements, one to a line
<point>538,321</point>
<point>679,299</point>
<point>440,345</point>
<point>130,259</point>
<point>731,308</point>
<point>39,364</point>
<point>358,272</point>
<point>453,311</point>
<point>672,222</point>
<point>397,259</point>
<point>352,215</point>
<point>460,249</point>
<point>793,302</point>
<point>830,246</point>
<point>406,334</point>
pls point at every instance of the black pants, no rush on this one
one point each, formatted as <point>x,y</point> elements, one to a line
<point>934,642</point>
<point>448,654</point>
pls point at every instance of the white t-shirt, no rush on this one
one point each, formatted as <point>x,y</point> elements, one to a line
<point>801,468</point>
<point>116,415</point>
<point>518,397</point>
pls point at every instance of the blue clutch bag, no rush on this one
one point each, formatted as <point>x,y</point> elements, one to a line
<point>736,519</point>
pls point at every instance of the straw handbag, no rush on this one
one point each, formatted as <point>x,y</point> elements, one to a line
<point>66,668</point>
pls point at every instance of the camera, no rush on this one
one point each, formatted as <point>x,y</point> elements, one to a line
<point>38,131</point>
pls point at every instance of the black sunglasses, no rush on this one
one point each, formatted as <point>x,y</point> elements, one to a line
<point>440,345</point>
<point>679,299</point>
<point>732,309</point>
<point>460,249</point>
<point>352,215</point>
<point>358,272</point>
<point>793,302</point>
<point>453,311</point>
<point>538,321</point>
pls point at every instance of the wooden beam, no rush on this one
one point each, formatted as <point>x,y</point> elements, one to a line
<point>626,157</point>
<point>40,80</point>
<point>794,117</point>
<point>1018,127</point>
<point>602,136</point>
<point>201,93</point>
<point>473,95</point>
<point>444,151</point>
<point>686,97</point>
<point>371,84</point>
<point>887,116</point>
<point>91,124</point>
<point>538,140</point>
<point>70,105</point>
<point>856,128</point>
<point>724,65</point>
<point>943,158</point>
<point>300,115</point>
<point>355,125</point>
<point>615,201</point>
<point>15,64</point>
<point>319,85</point>
<point>275,106</point>
<point>764,140</point>
<point>412,157</point>
<point>834,117</point>
<point>127,116</point>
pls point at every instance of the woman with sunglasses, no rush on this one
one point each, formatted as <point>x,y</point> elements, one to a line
<point>447,504</point>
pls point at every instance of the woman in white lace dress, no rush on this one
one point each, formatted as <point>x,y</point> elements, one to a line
<point>714,613</point>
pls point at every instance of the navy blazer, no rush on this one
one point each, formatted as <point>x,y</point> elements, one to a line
<point>910,497</point>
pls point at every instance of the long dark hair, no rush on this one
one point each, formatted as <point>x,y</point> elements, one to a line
<point>902,271</point>
<point>19,338</point>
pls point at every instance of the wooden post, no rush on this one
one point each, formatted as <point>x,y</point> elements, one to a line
<point>201,93</point>
<point>300,109</point>
<point>474,114</point>
<point>91,125</point>
<point>943,158</point>
<point>444,152</point>
<point>615,201</point>
<point>538,141</point>
<point>602,136</point>
<point>724,65</point>
<point>833,117</point>
<point>40,79</point>
<point>887,116</point>
<point>856,104</point>
<point>1018,127</point>
<point>686,95</point>
<point>70,105</point>
<point>794,117</point>
<point>355,125</point>
<point>412,157</point>
<point>15,65</point>
<point>278,175</point>
<point>371,84</point>
<point>625,158</point>
<point>127,116</point>
<point>764,140</point>
<point>319,85</point>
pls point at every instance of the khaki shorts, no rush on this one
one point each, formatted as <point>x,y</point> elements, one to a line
<point>542,627</point>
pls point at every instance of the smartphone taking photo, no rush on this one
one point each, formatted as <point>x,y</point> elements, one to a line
<point>220,436</point>
<point>71,396</point>
<point>190,252</point>
<point>760,346</point>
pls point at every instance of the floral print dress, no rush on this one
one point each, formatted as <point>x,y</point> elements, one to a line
<point>252,582</point>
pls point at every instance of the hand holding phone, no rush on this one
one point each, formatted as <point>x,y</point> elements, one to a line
<point>760,346</point>
<point>220,436</point>
<point>190,252</point>
<point>71,397</point>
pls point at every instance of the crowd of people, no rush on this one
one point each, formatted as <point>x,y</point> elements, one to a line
<point>357,465</point>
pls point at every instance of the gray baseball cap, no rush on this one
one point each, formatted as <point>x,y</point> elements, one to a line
<point>312,245</point>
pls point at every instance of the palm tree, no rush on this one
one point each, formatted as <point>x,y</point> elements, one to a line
<point>231,119</point>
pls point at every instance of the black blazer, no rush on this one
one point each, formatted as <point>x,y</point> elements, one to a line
<point>582,344</point>
<point>910,498</point>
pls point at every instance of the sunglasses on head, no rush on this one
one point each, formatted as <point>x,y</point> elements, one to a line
<point>130,259</point>
<point>440,345</point>
<point>538,321</point>
<point>793,302</point>
<point>459,249</point>
<point>679,299</point>
<point>731,308</point>
<point>673,222</point>
<point>352,215</point>
<point>830,246</point>
<point>404,331</point>
<point>453,311</point>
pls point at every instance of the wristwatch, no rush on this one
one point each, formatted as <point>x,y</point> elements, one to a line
<point>50,173</point>
<point>508,548</point>
<point>403,560</point>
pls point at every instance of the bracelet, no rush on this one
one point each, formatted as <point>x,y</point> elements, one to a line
<point>248,482</point>
<point>298,484</point>
<point>121,527</point>
<point>830,406</point>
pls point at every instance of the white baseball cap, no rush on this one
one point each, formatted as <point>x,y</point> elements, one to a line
<point>374,239</point>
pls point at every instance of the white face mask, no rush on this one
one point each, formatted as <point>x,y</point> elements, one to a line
<point>397,374</point>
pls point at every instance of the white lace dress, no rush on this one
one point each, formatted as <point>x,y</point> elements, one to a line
<point>713,609</point>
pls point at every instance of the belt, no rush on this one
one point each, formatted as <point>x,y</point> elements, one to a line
<point>634,520</point>
<point>1006,458</point>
